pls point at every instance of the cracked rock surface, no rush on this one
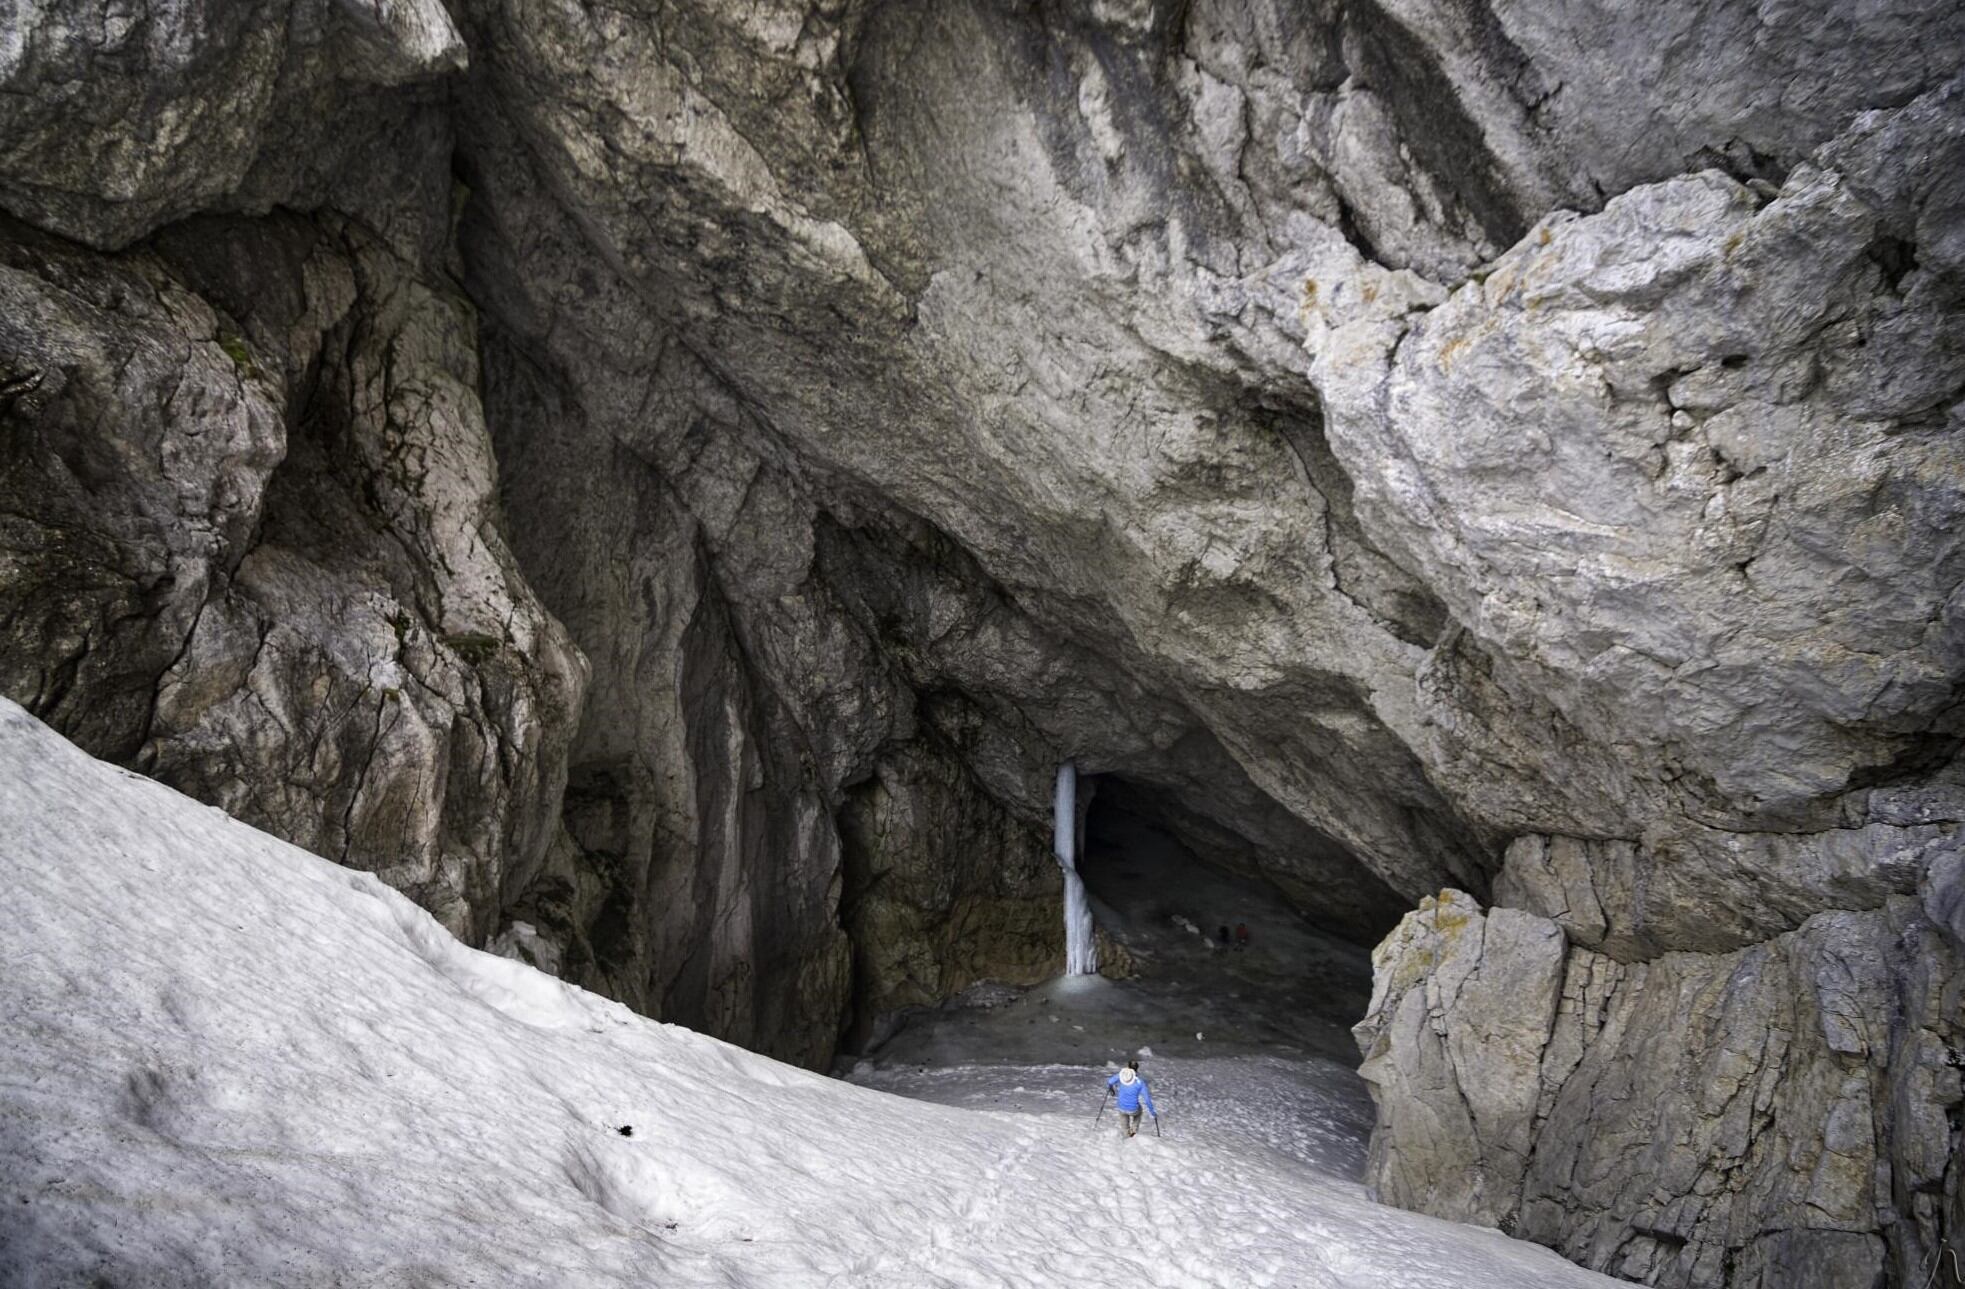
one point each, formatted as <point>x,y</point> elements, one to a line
<point>252,551</point>
<point>677,477</point>
<point>1782,1114</point>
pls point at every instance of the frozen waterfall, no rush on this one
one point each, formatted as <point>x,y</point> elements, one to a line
<point>1080,955</point>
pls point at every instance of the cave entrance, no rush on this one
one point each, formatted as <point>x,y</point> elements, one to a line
<point>1277,982</point>
<point>1247,1044</point>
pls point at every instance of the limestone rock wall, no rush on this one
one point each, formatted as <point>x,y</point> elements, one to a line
<point>1662,462</point>
<point>117,120</point>
<point>1686,431</point>
<point>676,474</point>
<point>252,550</point>
<point>701,875</point>
<point>944,889</point>
<point>1782,1114</point>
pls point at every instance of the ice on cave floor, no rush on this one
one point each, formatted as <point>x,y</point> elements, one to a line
<point>1278,1073</point>
<point>228,1062</point>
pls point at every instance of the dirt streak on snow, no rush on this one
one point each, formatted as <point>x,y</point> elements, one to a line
<point>228,1062</point>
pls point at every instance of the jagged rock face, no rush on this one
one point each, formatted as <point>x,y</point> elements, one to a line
<point>1136,462</point>
<point>115,120</point>
<point>101,598</point>
<point>249,494</point>
<point>1780,1115</point>
<point>943,889</point>
<point>1140,493</point>
<point>1665,463</point>
<point>1487,445</point>
<point>1686,444</point>
<point>700,874</point>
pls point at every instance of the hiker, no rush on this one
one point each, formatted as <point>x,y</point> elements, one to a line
<point>1130,1087</point>
<point>1241,935</point>
<point>1224,935</point>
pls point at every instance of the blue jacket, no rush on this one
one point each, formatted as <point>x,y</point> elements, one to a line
<point>1131,1094</point>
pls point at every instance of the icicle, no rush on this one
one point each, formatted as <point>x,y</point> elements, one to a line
<point>1080,955</point>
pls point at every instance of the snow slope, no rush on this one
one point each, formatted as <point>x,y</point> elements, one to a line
<point>228,1062</point>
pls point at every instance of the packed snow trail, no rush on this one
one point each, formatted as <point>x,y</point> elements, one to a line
<point>228,1062</point>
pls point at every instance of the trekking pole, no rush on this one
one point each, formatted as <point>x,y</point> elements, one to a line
<point>1102,1103</point>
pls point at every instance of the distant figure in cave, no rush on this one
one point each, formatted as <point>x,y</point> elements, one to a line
<point>1241,935</point>
<point>1224,935</point>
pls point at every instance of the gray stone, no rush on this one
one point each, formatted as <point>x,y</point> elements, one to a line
<point>1703,1119</point>
<point>1494,446</point>
<point>102,591</point>
<point>1462,1006</point>
<point>944,889</point>
<point>318,628</point>
<point>1521,449</point>
<point>1716,890</point>
<point>117,120</point>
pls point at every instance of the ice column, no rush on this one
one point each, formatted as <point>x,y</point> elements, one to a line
<point>1080,955</point>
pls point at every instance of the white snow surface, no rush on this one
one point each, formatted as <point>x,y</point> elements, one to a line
<point>229,1062</point>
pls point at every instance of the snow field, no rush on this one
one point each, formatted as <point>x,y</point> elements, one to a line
<point>229,1062</point>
